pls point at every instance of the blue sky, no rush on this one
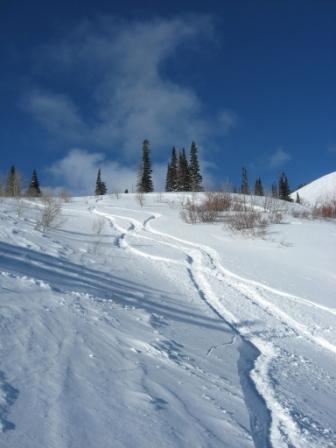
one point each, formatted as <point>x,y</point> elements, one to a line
<point>83,83</point>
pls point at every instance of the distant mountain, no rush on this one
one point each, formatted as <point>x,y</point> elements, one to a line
<point>320,190</point>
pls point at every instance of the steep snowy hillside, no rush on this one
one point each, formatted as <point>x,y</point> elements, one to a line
<point>320,190</point>
<point>124,326</point>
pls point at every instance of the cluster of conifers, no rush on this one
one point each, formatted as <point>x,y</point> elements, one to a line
<point>280,190</point>
<point>183,174</point>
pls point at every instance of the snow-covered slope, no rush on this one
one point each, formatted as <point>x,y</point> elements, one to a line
<point>126,327</point>
<point>318,191</point>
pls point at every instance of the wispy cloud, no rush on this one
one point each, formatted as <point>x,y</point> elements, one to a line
<point>279,158</point>
<point>228,120</point>
<point>120,69</point>
<point>68,172</point>
<point>56,113</point>
<point>78,170</point>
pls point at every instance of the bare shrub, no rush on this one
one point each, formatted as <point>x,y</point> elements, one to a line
<point>237,205</point>
<point>65,196</point>
<point>140,198</point>
<point>218,201</point>
<point>325,210</point>
<point>19,207</point>
<point>208,210</point>
<point>97,228</point>
<point>49,213</point>
<point>302,214</point>
<point>250,222</point>
<point>159,198</point>
<point>274,205</point>
<point>189,212</point>
<point>275,217</point>
<point>206,214</point>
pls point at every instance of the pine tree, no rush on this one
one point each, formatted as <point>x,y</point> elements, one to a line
<point>194,169</point>
<point>100,185</point>
<point>169,178</point>
<point>174,170</point>
<point>258,188</point>
<point>298,199</point>
<point>245,186</point>
<point>34,187</point>
<point>183,172</point>
<point>145,182</point>
<point>284,191</point>
<point>13,184</point>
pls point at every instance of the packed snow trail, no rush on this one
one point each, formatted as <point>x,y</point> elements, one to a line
<point>88,350</point>
<point>285,430</point>
<point>109,319</point>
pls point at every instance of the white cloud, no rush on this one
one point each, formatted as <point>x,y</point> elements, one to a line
<point>279,158</point>
<point>228,120</point>
<point>77,171</point>
<point>120,67</point>
<point>56,113</point>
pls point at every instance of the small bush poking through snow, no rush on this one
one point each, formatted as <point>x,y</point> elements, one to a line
<point>208,210</point>
<point>244,214</point>
<point>140,198</point>
<point>51,210</point>
<point>250,222</point>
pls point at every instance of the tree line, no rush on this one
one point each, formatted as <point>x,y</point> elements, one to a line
<point>183,174</point>
<point>279,189</point>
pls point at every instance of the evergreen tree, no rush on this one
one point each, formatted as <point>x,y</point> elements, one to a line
<point>298,199</point>
<point>245,186</point>
<point>100,185</point>
<point>284,190</point>
<point>34,187</point>
<point>145,182</point>
<point>258,188</point>
<point>194,169</point>
<point>169,178</point>
<point>183,172</point>
<point>13,184</point>
<point>274,190</point>
<point>174,170</point>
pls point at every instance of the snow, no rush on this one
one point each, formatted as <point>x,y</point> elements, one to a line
<point>320,190</point>
<point>123,326</point>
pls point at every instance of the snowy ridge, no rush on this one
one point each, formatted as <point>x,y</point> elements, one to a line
<point>318,191</point>
<point>137,313</point>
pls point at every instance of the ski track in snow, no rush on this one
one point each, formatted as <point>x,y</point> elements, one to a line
<point>200,260</point>
<point>272,423</point>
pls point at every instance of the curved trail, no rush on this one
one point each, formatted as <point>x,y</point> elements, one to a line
<point>213,267</point>
<point>131,316</point>
<point>201,260</point>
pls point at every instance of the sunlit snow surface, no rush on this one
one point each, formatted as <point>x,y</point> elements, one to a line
<point>126,327</point>
<point>319,191</point>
